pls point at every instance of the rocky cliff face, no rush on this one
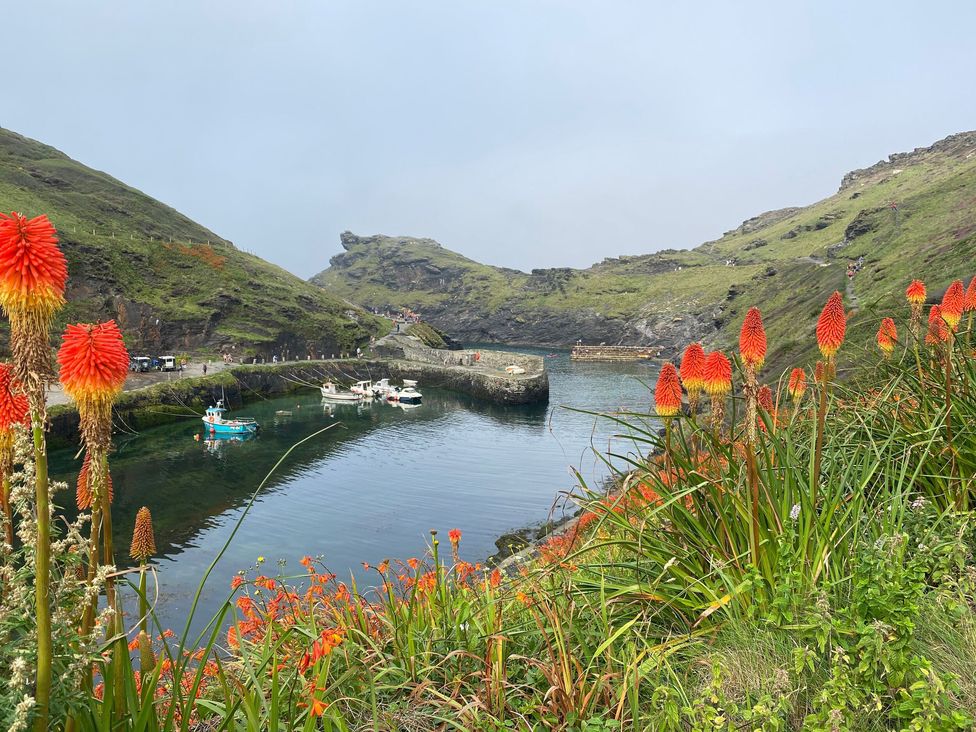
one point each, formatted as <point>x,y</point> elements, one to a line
<point>787,261</point>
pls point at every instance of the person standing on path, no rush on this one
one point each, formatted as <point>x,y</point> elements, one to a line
<point>205,369</point>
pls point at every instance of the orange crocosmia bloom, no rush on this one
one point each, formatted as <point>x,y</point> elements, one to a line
<point>752,340</point>
<point>938,330</point>
<point>887,335</point>
<point>236,582</point>
<point>93,360</point>
<point>83,492</point>
<point>765,398</point>
<point>496,578</point>
<point>718,374</point>
<point>831,326</point>
<point>693,369</point>
<point>13,403</point>
<point>797,385</point>
<point>667,393</point>
<point>915,294</point>
<point>954,304</point>
<point>33,270</point>
<point>454,535</point>
<point>971,295</point>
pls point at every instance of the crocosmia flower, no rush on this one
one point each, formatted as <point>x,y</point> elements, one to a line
<point>667,393</point>
<point>33,270</point>
<point>915,294</point>
<point>797,385</point>
<point>954,304</point>
<point>693,369</point>
<point>94,361</point>
<point>718,374</point>
<point>831,326</point>
<point>887,336</point>
<point>752,340</point>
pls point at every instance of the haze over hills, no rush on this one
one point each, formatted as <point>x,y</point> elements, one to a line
<point>172,284</point>
<point>912,215</point>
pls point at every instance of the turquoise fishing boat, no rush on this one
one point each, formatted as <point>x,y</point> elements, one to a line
<point>214,422</point>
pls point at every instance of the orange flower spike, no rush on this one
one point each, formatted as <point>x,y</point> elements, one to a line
<point>667,393</point>
<point>752,340</point>
<point>887,336</point>
<point>765,398</point>
<point>13,403</point>
<point>93,359</point>
<point>797,385</point>
<point>693,369</point>
<point>83,492</point>
<point>954,304</point>
<point>455,536</point>
<point>33,270</point>
<point>938,331</point>
<point>143,540</point>
<point>718,374</point>
<point>831,326</point>
<point>971,295</point>
<point>916,294</point>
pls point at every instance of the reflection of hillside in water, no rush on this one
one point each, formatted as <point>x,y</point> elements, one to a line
<point>188,483</point>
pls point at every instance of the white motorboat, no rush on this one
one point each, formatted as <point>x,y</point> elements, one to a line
<point>406,395</point>
<point>332,394</point>
<point>382,387</point>
<point>363,388</point>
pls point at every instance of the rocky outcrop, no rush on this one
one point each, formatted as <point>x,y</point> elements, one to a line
<point>959,146</point>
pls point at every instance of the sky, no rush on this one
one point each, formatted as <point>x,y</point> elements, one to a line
<point>531,133</point>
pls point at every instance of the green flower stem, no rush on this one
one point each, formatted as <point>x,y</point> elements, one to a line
<point>42,580</point>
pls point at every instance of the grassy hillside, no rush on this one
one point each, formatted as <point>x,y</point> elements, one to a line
<point>171,283</point>
<point>912,215</point>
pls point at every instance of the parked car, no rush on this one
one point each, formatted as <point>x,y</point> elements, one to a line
<point>167,363</point>
<point>140,363</point>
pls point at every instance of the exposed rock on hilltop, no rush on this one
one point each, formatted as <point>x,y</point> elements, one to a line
<point>172,284</point>
<point>786,261</point>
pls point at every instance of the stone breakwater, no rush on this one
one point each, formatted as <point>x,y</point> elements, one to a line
<point>185,398</point>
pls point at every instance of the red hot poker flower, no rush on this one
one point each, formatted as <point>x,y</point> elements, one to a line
<point>765,398</point>
<point>915,294</point>
<point>887,336</point>
<point>971,295</point>
<point>667,393</point>
<point>33,270</point>
<point>83,491</point>
<point>13,403</point>
<point>797,385</point>
<point>752,340</point>
<point>831,326</point>
<point>94,361</point>
<point>693,369</point>
<point>718,374</point>
<point>143,540</point>
<point>938,331</point>
<point>455,536</point>
<point>953,304</point>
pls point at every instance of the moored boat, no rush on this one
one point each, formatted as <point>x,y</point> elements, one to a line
<point>363,388</point>
<point>332,394</point>
<point>215,423</point>
<point>406,395</point>
<point>382,388</point>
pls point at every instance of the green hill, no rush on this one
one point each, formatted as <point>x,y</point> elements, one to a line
<point>172,284</point>
<point>911,215</point>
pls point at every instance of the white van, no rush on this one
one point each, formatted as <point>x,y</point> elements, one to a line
<point>167,363</point>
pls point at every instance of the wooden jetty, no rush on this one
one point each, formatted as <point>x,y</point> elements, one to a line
<point>614,353</point>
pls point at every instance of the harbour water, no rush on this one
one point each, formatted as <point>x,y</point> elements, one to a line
<point>369,488</point>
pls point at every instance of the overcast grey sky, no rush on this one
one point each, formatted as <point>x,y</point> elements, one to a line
<point>524,134</point>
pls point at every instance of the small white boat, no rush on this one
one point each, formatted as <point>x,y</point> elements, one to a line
<point>406,395</point>
<point>382,387</point>
<point>513,369</point>
<point>363,388</point>
<point>332,394</point>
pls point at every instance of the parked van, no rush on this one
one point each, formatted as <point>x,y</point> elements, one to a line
<point>140,363</point>
<point>167,363</point>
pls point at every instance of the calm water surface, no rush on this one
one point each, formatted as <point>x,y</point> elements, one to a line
<point>370,488</point>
